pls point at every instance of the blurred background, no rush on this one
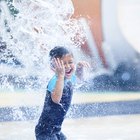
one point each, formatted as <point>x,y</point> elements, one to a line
<point>111,45</point>
<point>103,32</point>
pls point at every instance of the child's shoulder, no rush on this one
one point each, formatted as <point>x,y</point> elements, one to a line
<point>72,79</point>
<point>52,83</point>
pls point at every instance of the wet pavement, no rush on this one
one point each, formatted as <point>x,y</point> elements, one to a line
<point>122,127</point>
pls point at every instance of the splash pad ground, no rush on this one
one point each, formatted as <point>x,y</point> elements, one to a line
<point>114,116</point>
<point>96,128</point>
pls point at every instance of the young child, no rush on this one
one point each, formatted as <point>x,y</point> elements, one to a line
<point>59,94</point>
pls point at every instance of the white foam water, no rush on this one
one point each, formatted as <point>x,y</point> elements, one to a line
<point>38,27</point>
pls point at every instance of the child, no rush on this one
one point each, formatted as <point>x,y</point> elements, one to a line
<point>59,94</point>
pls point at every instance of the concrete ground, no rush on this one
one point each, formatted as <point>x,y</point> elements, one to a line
<point>109,127</point>
<point>125,127</point>
<point>31,98</point>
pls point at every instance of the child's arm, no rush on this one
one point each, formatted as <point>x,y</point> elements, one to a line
<point>58,90</point>
<point>79,69</point>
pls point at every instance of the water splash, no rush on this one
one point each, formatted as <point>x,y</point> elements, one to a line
<point>31,33</point>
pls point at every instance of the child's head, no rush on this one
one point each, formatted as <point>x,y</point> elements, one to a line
<point>66,56</point>
<point>59,52</point>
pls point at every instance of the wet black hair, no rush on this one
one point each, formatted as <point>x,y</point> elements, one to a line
<point>59,52</point>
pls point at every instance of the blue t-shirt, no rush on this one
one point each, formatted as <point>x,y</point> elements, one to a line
<point>52,82</point>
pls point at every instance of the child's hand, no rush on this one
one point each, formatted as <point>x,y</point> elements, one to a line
<point>82,64</point>
<point>79,69</point>
<point>59,67</point>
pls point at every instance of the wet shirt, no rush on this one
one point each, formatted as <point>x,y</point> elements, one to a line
<point>67,91</point>
<point>53,114</point>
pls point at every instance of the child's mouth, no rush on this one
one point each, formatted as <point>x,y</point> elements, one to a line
<point>68,72</point>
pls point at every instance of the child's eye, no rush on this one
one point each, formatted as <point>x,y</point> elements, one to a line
<point>71,62</point>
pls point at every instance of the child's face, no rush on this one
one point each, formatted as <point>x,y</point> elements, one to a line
<point>69,65</point>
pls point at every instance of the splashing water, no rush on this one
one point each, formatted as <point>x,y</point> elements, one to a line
<point>30,34</point>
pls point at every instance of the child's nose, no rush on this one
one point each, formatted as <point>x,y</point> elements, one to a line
<point>67,66</point>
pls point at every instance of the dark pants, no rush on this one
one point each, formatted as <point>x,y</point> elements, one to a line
<point>59,136</point>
